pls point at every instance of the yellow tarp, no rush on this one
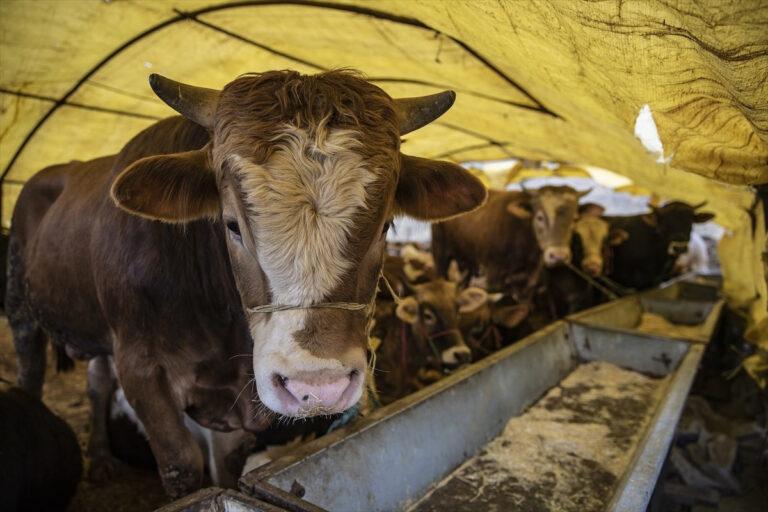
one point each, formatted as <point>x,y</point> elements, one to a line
<point>561,81</point>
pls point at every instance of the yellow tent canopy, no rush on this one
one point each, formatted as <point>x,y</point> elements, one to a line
<point>635,190</point>
<point>560,81</point>
<point>520,174</point>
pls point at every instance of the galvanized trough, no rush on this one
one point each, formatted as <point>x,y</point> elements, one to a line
<point>390,459</point>
<point>214,499</point>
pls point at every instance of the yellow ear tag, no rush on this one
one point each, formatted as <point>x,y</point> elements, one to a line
<point>374,342</point>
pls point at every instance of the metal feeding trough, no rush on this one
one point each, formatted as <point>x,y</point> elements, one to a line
<point>684,310</point>
<point>214,499</point>
<point>517,430</point>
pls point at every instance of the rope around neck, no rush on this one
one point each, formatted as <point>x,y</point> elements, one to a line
<point>576,270</point>
<point>348,306</point>
<point>273,308</point>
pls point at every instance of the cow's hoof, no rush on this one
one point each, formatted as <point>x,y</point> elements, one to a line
<point>103,469</point>
<point>180,481</point>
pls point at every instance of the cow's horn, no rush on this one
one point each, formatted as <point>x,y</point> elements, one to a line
<point>197,104</point>
<point>528,191</point>
<point>422,110</point>
<point>700,205</point>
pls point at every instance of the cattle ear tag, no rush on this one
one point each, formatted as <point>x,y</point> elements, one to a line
<point>618,237</point>
<point>408,310</point>
<point>471,299</point>
<point>374,342</point>
<point>518,210</point>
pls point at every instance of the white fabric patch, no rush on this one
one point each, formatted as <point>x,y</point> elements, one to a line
<point>646,131</point>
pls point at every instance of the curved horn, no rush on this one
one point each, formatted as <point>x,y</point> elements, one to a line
<point>422,110</point>
<point>197,104</point>
<point>700,205</point>
<point>583,192</point>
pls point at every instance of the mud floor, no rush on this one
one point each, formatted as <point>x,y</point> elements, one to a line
<point>65,394</point>
<point>566,453</point>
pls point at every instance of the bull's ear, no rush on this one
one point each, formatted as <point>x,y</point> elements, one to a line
<point>650,219</point>
<point>432,190</point>
<point>408,310</point>
<point>171,188</point>
<point>703,217</point>
<point>519,209</point>
<point>617,237</point>
<point>471,298</point>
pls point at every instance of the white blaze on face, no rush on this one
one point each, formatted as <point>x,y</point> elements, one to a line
<point>301,207</point>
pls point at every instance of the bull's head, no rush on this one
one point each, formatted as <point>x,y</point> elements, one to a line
<point>304,173</point>
<point>433,313</point>
<point>594,235</point>
<point>674,221</point>
<point>553,210</point>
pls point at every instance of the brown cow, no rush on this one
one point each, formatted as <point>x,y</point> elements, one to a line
<point>419,339</point>
<point>508,238</point>
<point>568,291</point>
<point>256,230</point>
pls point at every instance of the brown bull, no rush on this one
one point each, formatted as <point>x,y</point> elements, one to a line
<point>510,236</point>
<point>570,290</point>
<point>257,230</point>
<point>418,336</point>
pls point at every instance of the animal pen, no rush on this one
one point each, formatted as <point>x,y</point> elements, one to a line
<point>560,378</point>
<point>398,255</point>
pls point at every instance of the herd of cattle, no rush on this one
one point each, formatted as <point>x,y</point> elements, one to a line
<point>223,269</point>
<point>522,260</point>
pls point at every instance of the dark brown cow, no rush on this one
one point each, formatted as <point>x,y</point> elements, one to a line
<point>493,323</point>
<point>257,230</point>
<point>655,240</point>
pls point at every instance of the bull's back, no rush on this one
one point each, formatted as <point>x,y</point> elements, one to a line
<point>489,237</point>
<point>51,238</point>
<point>72,247</point>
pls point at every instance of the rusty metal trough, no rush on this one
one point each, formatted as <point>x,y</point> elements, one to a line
<point>391,458</point>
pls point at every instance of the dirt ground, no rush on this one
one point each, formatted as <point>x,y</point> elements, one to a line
<point>65,394</point>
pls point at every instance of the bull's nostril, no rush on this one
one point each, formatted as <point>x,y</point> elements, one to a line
<point>280,380</point>
<point>353,374</point>
<point>305,398</point>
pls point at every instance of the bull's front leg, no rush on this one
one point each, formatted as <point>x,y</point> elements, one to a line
<point>179,459</point>
<point>101,383</point>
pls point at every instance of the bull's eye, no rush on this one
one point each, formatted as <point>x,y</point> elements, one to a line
<point>540,218</point>
<point>234,230</point>
<point>429,317</point>
<point>386,228</point>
